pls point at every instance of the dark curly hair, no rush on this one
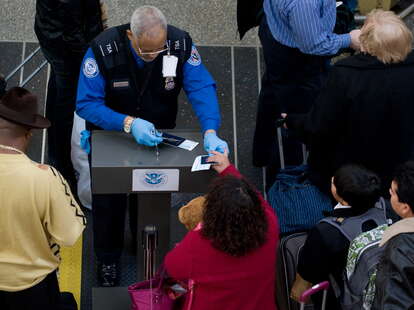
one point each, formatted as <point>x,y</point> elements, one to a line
<point>234,219</point>
<point>404,178</point>
<point>358,186</point>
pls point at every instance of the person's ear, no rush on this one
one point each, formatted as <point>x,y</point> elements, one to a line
<point>29,134</point>
<point>130,35</point>
<point>405,210</point>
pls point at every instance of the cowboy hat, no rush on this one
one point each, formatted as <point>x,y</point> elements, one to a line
<point>19,106</point>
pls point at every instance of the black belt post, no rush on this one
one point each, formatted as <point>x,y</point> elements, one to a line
<point>150,244</point>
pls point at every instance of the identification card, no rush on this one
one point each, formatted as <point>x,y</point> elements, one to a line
<point>180,142</point>
<point>169,66</point>
<point>198,165</point>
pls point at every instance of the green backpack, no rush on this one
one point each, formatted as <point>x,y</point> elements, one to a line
<point>363,257</point>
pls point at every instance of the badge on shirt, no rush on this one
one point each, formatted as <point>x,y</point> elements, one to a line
<point>90,68</point>
<point>169,83</point>
<point>195,59</point>
<point>169,66</point>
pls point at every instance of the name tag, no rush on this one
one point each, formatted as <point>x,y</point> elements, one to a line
<point>155,180</point>
<point>120,84</point>
<point>169,66</point>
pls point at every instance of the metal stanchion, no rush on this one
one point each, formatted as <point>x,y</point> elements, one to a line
<point>150,244</point>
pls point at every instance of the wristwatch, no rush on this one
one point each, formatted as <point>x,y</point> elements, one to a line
<point>127,123</point>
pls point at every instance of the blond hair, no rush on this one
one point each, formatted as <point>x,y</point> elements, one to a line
<point>385,36</point>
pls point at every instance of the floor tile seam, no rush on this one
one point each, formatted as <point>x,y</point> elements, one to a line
<point>44,114</point>
<point>21,70</point>
<point>259,84</point>
<point>233,90</point>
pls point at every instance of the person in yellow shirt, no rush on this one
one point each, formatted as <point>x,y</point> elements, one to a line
<point>38,213</point>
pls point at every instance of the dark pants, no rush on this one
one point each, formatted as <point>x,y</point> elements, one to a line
<point>108,211</point>
<point>290,84</point>
<point>44,295</point>
<point>60,106</point>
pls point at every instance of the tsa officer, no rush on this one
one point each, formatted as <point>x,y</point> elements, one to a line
<point>130,80</point>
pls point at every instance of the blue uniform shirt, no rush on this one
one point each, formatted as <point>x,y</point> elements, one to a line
<point>198,85</point>
<point>306,25</point>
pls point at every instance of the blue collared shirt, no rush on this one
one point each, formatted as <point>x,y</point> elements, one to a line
<point>198,85</point>
<point>306,25</point>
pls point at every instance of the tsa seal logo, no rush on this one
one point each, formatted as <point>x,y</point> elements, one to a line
<point>195,58</point>
<point>155,179</point>
<point>90,68</point>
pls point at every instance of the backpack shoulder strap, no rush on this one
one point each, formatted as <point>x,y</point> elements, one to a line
<point>352,227</point>
<point>337,222</point>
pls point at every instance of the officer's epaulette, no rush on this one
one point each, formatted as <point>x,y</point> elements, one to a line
<point>109,48</point>
<point>176,45</point>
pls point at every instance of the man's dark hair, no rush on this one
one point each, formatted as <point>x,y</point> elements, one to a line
<point>234,219</point>
<point>358,186</point>
<point>404,178</point>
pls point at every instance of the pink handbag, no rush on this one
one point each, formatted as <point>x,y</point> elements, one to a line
<point>154,295</point>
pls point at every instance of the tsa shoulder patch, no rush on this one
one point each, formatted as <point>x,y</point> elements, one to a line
<point>90,68</point>
<point>195,59</point>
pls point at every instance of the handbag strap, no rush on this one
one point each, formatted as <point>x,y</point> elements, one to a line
<point>191,297</point>
<point>162,271</point>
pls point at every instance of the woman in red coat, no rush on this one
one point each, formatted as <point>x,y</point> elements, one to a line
<point>231,255</point>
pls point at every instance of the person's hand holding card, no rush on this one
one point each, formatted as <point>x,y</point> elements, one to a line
<point>221,160</point>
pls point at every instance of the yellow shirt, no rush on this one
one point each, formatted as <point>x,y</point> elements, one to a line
<point>37,214</point>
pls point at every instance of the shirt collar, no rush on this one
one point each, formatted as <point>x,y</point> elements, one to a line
<point>138,59</point>
<point>340,206</point>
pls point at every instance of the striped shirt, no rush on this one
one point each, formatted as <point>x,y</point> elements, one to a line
<point>306,25</point>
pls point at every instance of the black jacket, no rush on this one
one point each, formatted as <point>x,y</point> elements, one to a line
<point>67,25</point>
<point>395,275</point>
<point>363,115</point>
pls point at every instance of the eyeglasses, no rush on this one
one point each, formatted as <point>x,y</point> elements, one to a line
<point>166,48</point>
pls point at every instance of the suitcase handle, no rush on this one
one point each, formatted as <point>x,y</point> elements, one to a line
<point>323,286</point>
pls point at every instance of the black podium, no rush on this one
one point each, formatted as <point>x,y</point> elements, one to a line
<point>120,165</point>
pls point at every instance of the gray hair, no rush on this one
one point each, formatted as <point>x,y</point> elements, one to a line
<point>145,19</point>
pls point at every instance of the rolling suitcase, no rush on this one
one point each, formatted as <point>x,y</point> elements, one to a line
<point>289,200</point>
<point>288,254</point>
<point>298,203</point>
